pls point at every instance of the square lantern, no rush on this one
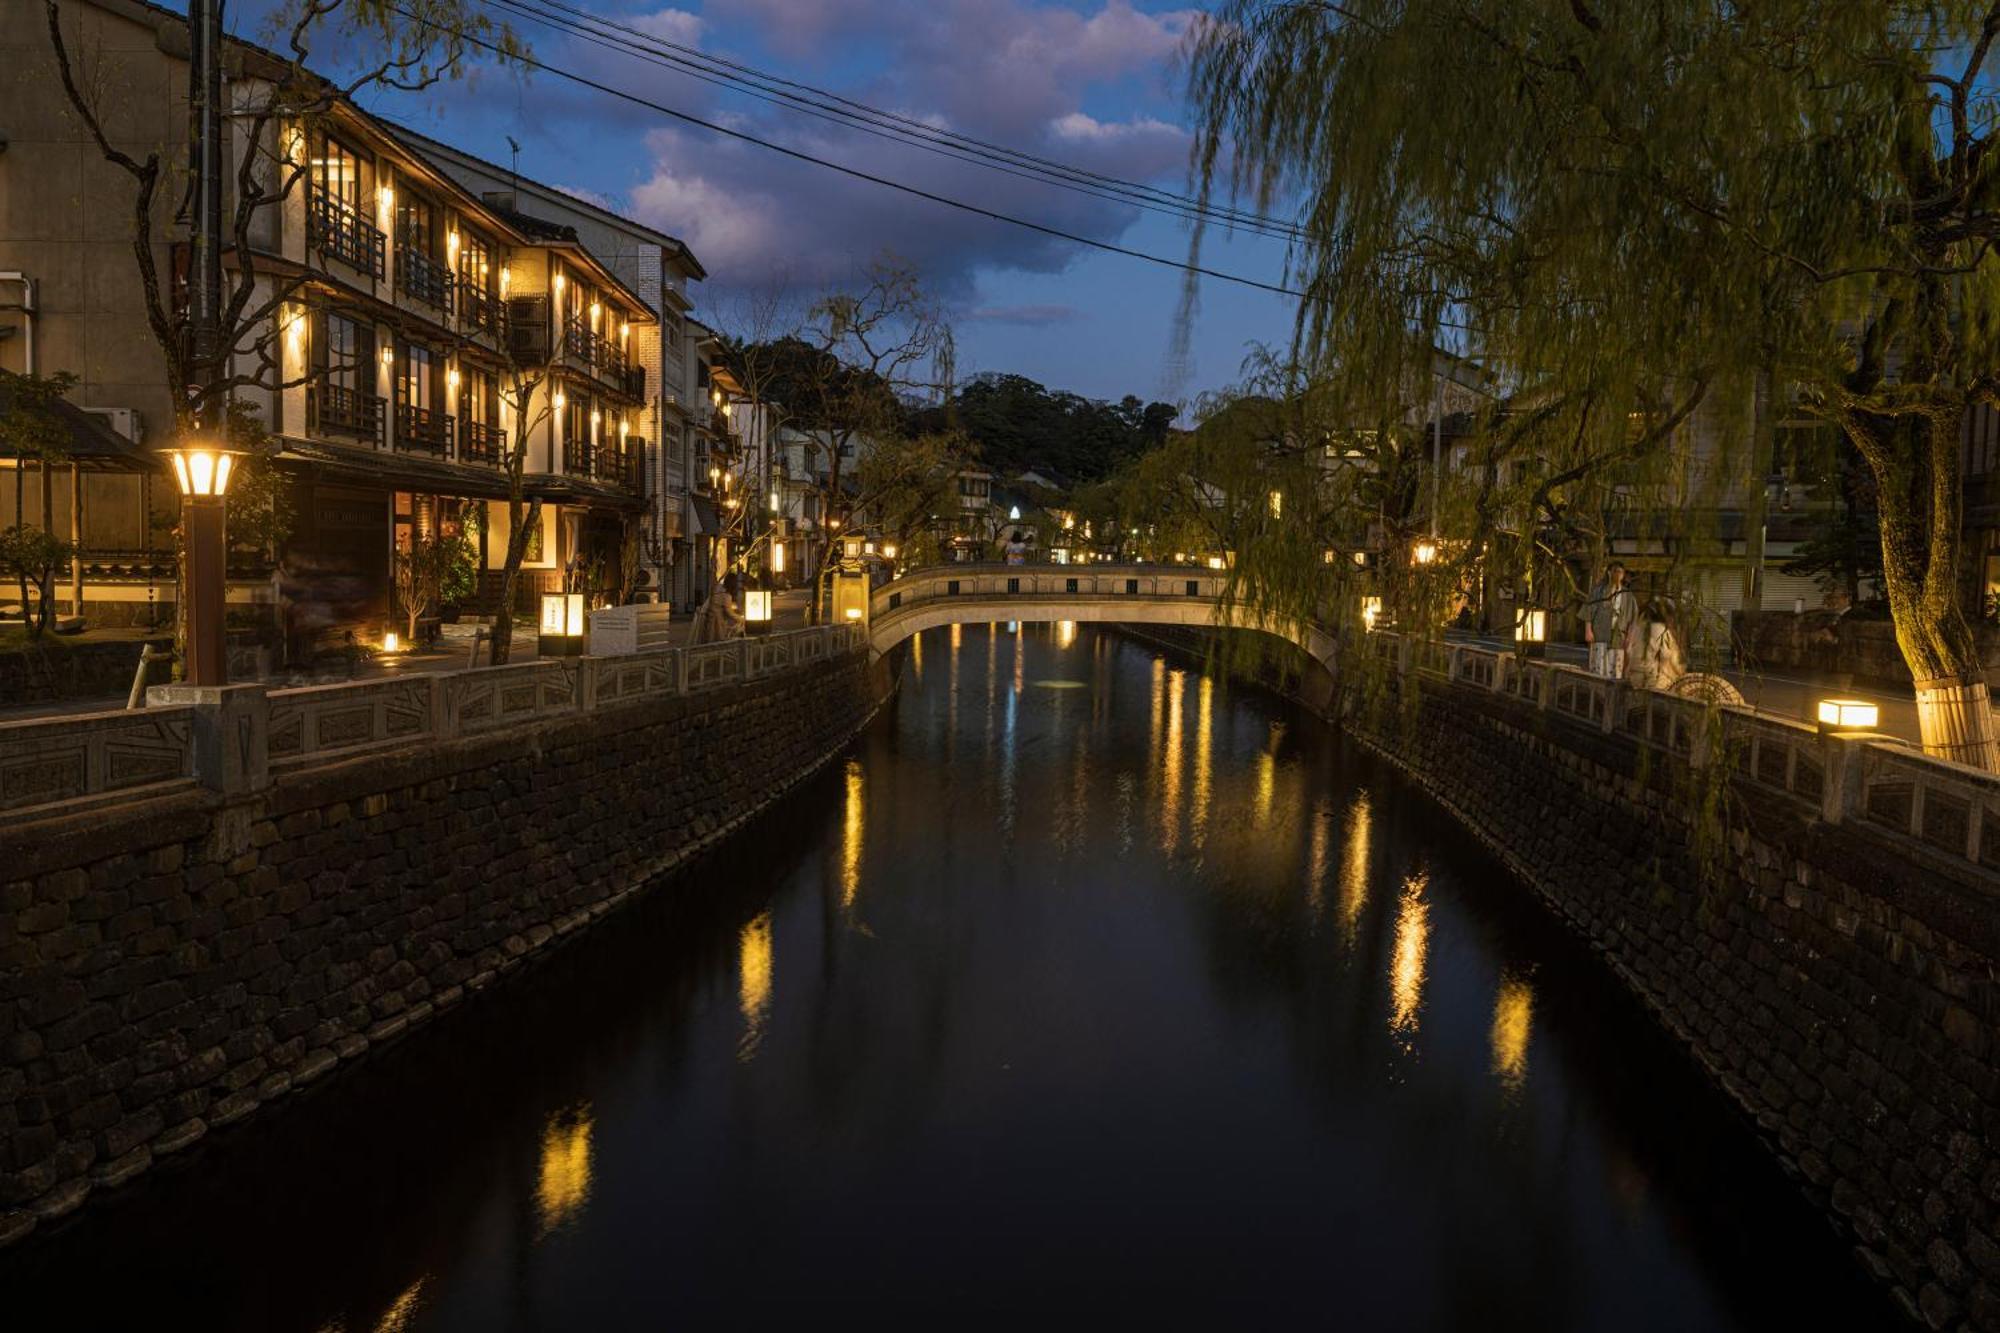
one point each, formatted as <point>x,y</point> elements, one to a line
<point>1847,715</point>
<point>1531,631</point>
<point>850,596</point>
<point>851,544</point>
<point>562,624</point>
<point>1424,553</point>
<point>757,610</point>
<point>1371,611</point>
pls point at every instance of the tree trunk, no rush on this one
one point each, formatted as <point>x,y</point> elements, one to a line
<point>1915,459</point>
<point>518,527</point>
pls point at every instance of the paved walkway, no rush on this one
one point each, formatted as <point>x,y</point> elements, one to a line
<point>454,651</point>
<point>1794,693</point>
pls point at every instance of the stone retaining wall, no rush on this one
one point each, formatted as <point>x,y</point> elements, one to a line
<point>1837,980</point>
<point>169,967</point>
<point>54,668</point>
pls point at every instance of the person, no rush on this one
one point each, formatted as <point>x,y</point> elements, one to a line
<point>1017,548</point>
<point>719,618</point>
<point>1653,656</point>
<point>1608,615</point>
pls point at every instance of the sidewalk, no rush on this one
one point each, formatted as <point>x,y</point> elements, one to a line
<point>1794,693</point>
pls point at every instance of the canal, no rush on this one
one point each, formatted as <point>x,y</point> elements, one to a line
<point>1083,986</point>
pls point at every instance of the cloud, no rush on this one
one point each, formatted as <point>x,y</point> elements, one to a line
<point>669,25</point>
<point>1034,316</point>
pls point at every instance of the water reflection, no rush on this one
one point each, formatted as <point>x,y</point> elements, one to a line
<point>1204,758</point>
<point>1065,633</point>
<point>1083,1073</point>
<point>562,1177</point>
<point>1513,1015</point>
<point>852,814</point>
<point>1354,866</point>
<point>753,954</point>
<point>1413,939</point>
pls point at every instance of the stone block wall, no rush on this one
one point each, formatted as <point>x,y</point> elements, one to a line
<point>1838,982</point>
<point>168,968</point>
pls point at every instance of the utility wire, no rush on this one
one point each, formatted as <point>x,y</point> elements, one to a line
<point>473,39</point>
<point>825,105</point>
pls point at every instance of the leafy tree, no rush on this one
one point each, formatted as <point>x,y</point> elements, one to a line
<point>32,425</point>
<point>33,555</point>
<point>1627,218</point>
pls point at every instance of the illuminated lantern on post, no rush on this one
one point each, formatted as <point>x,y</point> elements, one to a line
<point>1531,631</point>
<point>1847,715</point>
<point>1423,553</point>
<point>562,624</point>
<point>1371,611</point>
<point>757,610</point>
<point>850,597</point>
<point>201,472</point>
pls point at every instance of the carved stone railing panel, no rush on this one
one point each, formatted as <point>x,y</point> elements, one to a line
<point>45,761</point>
<point>324,722</point>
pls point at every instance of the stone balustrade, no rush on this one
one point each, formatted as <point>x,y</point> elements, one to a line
<point>55,765</point>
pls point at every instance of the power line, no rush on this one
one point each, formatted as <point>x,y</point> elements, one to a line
<point>851,114</point>
<point>473,39</point>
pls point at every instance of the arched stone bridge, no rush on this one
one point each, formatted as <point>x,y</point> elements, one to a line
<point>1129,594</point>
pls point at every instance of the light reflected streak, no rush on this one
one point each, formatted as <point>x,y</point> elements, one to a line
<point>562,1177</point>
<point>1513,1021</point>
<point>1413,938</point>
<point>1170,784</point>
<point>1065,633</point>
<point>753,987</point>
<point>1354,866</point>
<point>852,816</point>
<point>1204,753</point>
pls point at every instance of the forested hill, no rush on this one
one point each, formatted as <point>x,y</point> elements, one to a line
<point>1018,424</point>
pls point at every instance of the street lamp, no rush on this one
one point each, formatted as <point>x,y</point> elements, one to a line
<point>757,610</point>
<point>1423,553</point>
<point>202,469</point>
<point>850,545</point>
<point>1371,611</point>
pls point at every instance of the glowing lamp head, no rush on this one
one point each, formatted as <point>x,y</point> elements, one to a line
<point>757,606</point>
<point>1838,715</point>
<point>202,470</point>
<point>777,557</point>
<point>1423,553</point>
<point>854,613</point>
<point>850,545</point>
<point>392,642</point>
<point>1532,627</point>
<point>1371,611</point>
<point>1215,562</point>
<point>1013,513</point>
<point>889,551</point>
<point>868,548</point>
<point>562,615</point>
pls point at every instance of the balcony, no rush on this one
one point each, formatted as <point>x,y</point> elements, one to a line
<point>422,277</point>
<point>480,312</point>
<point>578,455</point>
<point>423,430</point>
<point>335,231</point>
<point>632,383</point>
<point>479,442</point>
<point>621,469</point>
<point>577,339</point>
<point>334,410</point>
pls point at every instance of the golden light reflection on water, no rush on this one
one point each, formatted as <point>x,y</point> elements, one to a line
<point>1354,866</point>
<point>1317,861</point>
<point>562,1180</point>
<point>1267,787</point>
<point>1513,1018</point>
<point>753,987</point>
<point>1170,777</point>
<point>1065,633</point>
<point>1020,657</point>
<point>853,814</point>
<point>1413,937</point>
<point>917,656</point>
<point>1204,755</point>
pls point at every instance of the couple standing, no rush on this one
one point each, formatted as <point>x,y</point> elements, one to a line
<point>1626,641</point>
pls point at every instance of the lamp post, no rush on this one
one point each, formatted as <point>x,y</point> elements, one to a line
<point>201,472</point>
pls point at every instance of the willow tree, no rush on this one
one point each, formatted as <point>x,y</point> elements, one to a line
<point>1629,213</point>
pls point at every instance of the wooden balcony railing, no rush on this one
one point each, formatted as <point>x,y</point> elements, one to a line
<point>479,442</point>
<point>578,456</point>
<point>424,278</point>
<point>334,410</point>
<point>577,339</point>
<point>335,231</point>
<point>623,470</point>
<point>480,312</point>
<point>423,430</point>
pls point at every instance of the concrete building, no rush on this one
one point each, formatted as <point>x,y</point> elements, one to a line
<point>398,313</point>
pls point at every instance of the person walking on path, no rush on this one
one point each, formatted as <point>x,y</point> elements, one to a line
<point>1608,614</point>
<point>719,618</point>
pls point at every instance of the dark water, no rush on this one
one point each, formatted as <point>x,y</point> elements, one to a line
<point>1085,987</point>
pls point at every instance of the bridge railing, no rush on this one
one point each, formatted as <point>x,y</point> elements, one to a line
<point>1046,582</point>
<point>57,765</point>
<point>1947,808</point>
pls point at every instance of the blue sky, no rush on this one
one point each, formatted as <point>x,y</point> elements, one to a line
<point>1091,83</point>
